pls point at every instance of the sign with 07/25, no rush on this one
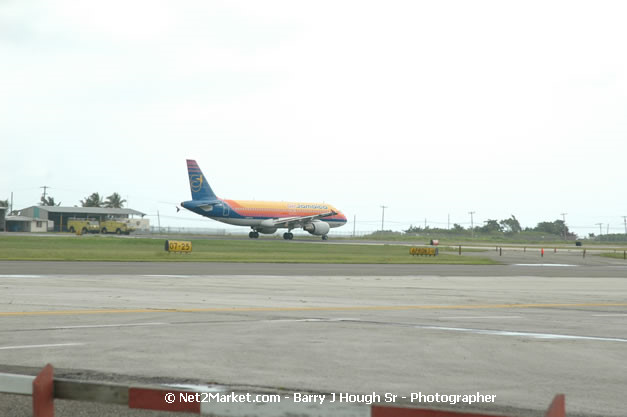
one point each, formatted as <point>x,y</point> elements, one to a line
<point>178,246</point>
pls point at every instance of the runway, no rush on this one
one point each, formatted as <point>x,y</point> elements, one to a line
<point>522,333</point>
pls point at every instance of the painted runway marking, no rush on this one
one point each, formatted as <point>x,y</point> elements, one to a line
<point>609,315</point>
<point>275,309</point>
<point>169,276</point>
<point>544,265</point>
<point>20,276</point>
<point>480,317</point>
<point>198,388</point>
<point>40,346</point>
<point>522,334</point>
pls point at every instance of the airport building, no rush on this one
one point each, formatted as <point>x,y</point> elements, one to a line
<point>3,211</point>
<point>55,218</point>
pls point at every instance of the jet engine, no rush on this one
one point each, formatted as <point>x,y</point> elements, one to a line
<point>266,227</point>
<point>317,227</point>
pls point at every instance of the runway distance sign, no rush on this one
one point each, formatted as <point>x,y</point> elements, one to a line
<point>178,246</point>
<point>423,251</point>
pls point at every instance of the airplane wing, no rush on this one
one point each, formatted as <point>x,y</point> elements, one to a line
<point>300,221</point>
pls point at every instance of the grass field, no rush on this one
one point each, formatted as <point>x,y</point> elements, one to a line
<point>615,255</point>
<point>111,248</point>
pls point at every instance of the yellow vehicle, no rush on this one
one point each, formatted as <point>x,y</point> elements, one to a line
<point>115,226</point>
<point>83,225</point>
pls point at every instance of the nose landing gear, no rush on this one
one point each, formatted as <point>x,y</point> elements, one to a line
<point>253,235</point>
<point>288,236</point>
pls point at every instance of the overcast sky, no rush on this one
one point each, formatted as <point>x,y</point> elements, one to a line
<point>432,108</point>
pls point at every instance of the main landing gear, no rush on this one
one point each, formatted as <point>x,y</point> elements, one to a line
<point>253,235</point>
<point>288,235</point>
<point>325,237</point>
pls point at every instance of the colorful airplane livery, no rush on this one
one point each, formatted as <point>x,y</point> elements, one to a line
<point>261,216</point>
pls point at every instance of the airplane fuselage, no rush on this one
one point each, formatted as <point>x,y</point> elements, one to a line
<point>253,213</point>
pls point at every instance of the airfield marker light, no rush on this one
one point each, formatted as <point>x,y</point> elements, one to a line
<point>542,252</point>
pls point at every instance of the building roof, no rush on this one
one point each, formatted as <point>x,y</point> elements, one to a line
<point>90,210</point>
<point>23,219</point>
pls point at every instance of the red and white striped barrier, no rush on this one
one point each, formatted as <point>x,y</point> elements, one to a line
<point>16,384</point>
<point>44,388</point>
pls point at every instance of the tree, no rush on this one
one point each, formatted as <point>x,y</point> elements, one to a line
<point>490,226</point>
<point>557,227</point>
<point>115,200</point>
<point>93,200</point>
<point>458,228</point>
<point>48,201</point>
<point>511,225</point>
<point>413,229</point>
<point>4,203</point>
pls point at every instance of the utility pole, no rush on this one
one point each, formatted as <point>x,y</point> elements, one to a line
<point>383,216</point>
<point>354,223</point>
<point>624,217</point>
<point>45,187</point>
<point>564,218</point>
<point>472,224</point>
<point>600,230</point>
<point>448,222</point>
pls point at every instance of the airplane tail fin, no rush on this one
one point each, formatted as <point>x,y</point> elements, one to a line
<point>198,183</point>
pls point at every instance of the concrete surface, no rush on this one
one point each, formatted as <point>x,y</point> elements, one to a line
<point>522,333</point>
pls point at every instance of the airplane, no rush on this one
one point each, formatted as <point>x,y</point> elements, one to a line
<point>261,216</point>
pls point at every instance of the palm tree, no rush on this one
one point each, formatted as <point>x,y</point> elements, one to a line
<point>115,200</point>
<point>93,200</point>
<point>49,201</point>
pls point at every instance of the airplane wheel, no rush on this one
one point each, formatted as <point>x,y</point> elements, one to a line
<point>252,235</point>
<point>256,235</point>
<point>286,236</point>
<point>291,235</point>
<point>325,237</point>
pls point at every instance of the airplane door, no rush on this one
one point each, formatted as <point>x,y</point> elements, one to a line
<point>225,210</point>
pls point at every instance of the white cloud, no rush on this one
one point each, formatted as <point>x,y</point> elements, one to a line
<point>502,107</point>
